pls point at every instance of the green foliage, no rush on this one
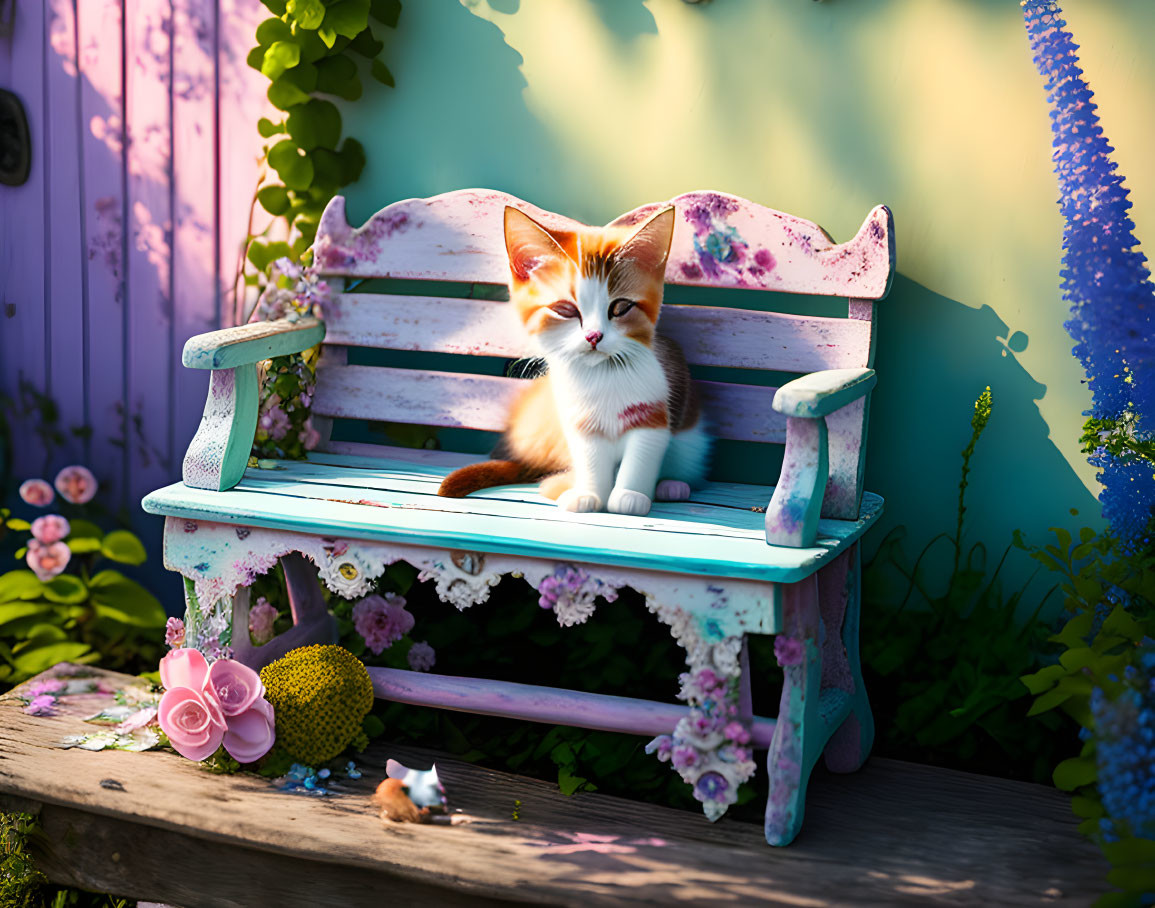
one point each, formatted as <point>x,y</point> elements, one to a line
<point>944,675</point>
<point>307,49</point>
<point>81,617</point>
<point>1118,437</point>
<point>1109,597</point>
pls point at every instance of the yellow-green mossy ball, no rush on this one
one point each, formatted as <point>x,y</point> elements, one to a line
<point>321,695</point>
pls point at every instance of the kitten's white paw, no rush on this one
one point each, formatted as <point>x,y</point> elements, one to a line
<point>672,490</point>
<point>627,501</point>
<point>579,501</point>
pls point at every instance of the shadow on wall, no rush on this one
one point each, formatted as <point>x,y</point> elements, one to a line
<point>935,356</point>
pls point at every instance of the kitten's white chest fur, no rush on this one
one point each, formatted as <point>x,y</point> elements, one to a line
<point>596,399</point>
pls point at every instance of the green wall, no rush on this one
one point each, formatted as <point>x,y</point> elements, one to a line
<point>820,109</point>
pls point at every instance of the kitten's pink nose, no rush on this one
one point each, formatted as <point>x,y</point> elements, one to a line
<point>595,338</point>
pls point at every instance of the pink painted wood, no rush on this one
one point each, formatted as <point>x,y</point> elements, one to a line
<point>539,704</point>
<point>709,335</point>
<point>466,401</point>
<point>719,241</point>
<point>64,288</point>
<point>148,30</point>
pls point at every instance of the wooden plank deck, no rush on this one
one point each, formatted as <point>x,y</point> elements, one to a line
<point>154,826</point>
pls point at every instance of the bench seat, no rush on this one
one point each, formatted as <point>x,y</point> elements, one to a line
<point>392,498</point>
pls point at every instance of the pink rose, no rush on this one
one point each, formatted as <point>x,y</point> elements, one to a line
<point>50,528</point>
<point>193,722</point>
<point>183,668</point>
<point>235,686</point>
<point>252,733</point>
<point>76,484</point>
<point>174,632</point>
<point>261,618</point>
<point>47,561</point>
<point>37,493</point>
<point>737,732</point>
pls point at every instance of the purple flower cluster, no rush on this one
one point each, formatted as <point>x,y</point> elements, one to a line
<point>572,594</point>
<point>1125,750</point>
<point>1105,279</point>
<point>382,621</point>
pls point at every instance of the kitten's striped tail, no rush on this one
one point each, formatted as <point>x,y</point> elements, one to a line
<point>479,476</point>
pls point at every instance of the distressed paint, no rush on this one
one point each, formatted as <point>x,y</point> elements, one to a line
<point>850,742</point>
<point>846,440</point>
<point>792,516</point>
<point>248,344</point>
<point>821,393</point>
<point>719,240</point>
<point>217,455</point>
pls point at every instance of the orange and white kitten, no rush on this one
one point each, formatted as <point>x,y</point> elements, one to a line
<point>614,422</point>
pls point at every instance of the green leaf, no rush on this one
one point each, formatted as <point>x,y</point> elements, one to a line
<point>267,128</point>
<point>308,13</point>
<point>256,57</point>
<point>337,75</point>
<point>66,589</point>
<point>1087,808</point>
<point>120,599</point>
<point>569,783</point>
<point>283,94</point>
<point>372,726</point>
<point>15,611</point>
<point>124,547</point>
<point>352,161</point>
<point>36,659</point>
<point>85,528</point>
<point>292,165</point>
<point>274,199</point>
<point>1133,879</point>
<point>381,73</point>
<point>276,7</point>
<point>1121,624</point>
<point>1130,851</point>
<point>366,44</point>
<point>328,35</point>
<point>273,30</point>
<point>1043,679</point>
<point>1080,657</point>
<point>386,11</point>
<point>347,18</point>
<point>1074,772</point>
<point>16,585</point>
<point>85,545</point>
<point>281,56</point>
<point>317,123</point>
<point>15,523</point>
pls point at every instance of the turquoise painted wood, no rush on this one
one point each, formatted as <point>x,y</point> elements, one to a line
<point>821,393</point>
<point>247,344</point>
<point>734,559</point>
<point>716,540</point>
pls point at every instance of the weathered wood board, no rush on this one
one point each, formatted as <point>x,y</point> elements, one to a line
<point>154,826</point>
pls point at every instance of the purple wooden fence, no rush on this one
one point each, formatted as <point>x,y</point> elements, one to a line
<point>125,239</point>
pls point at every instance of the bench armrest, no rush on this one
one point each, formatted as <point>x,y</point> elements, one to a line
<point>248,344</point>
<point>821,393</point>
<point>818,407</point>
<point>219,452</point>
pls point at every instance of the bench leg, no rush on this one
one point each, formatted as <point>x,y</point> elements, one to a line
<point>799,733</point>
<point>312,622</point>
<point>840,588</point>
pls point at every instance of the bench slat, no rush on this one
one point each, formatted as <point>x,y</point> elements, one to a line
<point>719,240</point>
<point>456,400</point>
<point>709,335</point>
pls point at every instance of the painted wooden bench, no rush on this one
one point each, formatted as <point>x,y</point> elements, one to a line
<point>714,569</point>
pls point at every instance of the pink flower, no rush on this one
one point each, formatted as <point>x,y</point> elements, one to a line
<point>174,632</point>
<point>189,714</point>
<point>310,437</point>
<point>684,757</point>
<point>138,719</point>
<point>421,657</point>
<point>50,528</point>
<point>51,686</point>
<point>251,734</point>
<point>47,561</point>
<point>737,732</point>
<point>41,706</point>
<point>788,651</point>
<point>76,484</point>
<point>382,621</point>
<point>37,493</point>
<point>261,618</point>
<point>204,707</point>
<point>235,686</point>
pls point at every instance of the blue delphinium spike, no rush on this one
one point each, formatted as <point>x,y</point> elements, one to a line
<point>1105,279</point>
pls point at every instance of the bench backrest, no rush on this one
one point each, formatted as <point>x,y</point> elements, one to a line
<point>720,241</point>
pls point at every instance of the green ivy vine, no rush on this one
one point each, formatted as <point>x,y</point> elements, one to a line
<point>311,51</point>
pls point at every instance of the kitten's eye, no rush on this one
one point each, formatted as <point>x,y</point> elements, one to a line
<point>566,310</point>
<point>620,307</point>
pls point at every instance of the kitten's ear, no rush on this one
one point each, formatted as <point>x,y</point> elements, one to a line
<point>650,245</point>
<point>528,244</point>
